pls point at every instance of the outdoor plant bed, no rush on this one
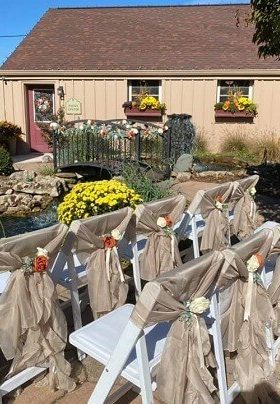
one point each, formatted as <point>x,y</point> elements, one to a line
<point>135,112</point>
<point>233,115</point>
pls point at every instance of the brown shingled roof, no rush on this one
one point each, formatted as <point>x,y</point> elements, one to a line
<point>146,38</point>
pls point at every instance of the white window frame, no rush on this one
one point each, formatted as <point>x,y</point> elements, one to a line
<point>129,82</point>
<point>251,85</point>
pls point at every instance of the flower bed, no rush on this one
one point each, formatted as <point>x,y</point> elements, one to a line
<point>94,198</point>
<point>236,106</point>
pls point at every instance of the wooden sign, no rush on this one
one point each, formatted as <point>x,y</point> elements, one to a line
<point>73,107</point>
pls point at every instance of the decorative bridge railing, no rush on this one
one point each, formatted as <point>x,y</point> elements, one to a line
<point>110,144</point>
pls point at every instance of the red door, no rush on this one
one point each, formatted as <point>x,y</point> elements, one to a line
<point>40,110</point>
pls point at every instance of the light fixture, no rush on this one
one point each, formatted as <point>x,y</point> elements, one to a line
<point>60,92</point>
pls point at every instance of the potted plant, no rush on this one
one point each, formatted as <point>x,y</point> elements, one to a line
<point>144,106</point>
<point>236,106</point>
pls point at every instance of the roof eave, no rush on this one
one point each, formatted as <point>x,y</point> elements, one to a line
<point>22,74</point>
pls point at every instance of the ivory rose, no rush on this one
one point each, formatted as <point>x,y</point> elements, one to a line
<point>253,191</point>
<point>199,305</point>
<point>116,234</point>
<point>42,252</point>
<point>254,262</point>
<point>161,222</point>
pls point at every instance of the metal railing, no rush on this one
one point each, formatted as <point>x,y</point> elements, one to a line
<point>110,144</point>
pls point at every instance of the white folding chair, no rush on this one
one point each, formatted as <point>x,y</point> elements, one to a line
<point>134,352</point>
<point>29,240</point>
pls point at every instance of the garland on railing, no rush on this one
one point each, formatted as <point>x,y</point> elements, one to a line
<point>113,130</point>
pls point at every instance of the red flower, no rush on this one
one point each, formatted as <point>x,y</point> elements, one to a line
<point>260,259</point>
<point>168,221</point>
<point>109,242</point>
<point>40,264</point>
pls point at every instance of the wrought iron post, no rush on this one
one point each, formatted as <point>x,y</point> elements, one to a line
<point>138,147</point>
<point>54,150</point>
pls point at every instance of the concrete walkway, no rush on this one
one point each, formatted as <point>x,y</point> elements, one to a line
<point>32,161</point>
<point>190,188</point>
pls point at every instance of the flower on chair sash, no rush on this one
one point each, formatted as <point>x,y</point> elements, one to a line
<point>39,263</point>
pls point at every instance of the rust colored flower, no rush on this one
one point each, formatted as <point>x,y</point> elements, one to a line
<point>109,242</point>
<point>168,220</point>
<point>260,258</point>
<point>219,198</point>
<point>40,263</point>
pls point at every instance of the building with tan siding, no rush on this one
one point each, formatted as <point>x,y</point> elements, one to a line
<point>97,58</point>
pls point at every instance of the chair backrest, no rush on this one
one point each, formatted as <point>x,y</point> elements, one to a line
<point>243,207</point>
<point>160,252</point>
<point>94,244</point>
<point>204,207</point>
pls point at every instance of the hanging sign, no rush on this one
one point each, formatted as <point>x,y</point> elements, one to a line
<point>73,107</point>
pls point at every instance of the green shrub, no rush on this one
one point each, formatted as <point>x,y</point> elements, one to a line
<point>6,162</point>
<point>8,131</point>
<point>235,143</point>
<point>93,198</point>
<point>135,178</point>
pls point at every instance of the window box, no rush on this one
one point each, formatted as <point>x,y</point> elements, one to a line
<point>134,112</point>
<point>233,115</point>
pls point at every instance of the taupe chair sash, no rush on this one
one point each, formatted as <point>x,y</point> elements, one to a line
<point>274,287</point>
<point>106,282</point>
<point>211,205</point>
<point>246,309</point>
<point>183,376</point>
<point>244,206</point>
<point>161,252</point>
<point>33,328</point>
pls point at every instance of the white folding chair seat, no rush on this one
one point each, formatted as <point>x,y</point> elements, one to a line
<point>4,277</point>
<point>99,339</point>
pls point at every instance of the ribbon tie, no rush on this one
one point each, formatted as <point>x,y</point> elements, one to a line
<point>190,317</point>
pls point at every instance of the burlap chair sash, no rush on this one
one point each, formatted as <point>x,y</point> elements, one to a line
<point>33,329</point>
<point>161,252</point>
<point>183,376</point>
<point>246,310</point>
<point>274,287</point>
<point>215,235</point>
<point>106,283</point>
<point>243,223</point>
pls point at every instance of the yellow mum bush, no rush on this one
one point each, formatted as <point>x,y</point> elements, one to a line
<point>93,198</point>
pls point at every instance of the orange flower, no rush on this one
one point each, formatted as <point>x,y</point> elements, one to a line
<point>260,258</point>
<point>40,263</point>
<point>168,221</point>
<point>219,198</point>
<point>109,242</point>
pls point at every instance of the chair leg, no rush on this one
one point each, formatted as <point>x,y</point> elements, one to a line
<point>143,366</point>
<point>75,300</point>
<point>115,364</point>
<point>219,353</point>
<point>195,238</point>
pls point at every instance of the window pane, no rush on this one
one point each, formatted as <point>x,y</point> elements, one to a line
<point>138,86</point>
<point>234,85</point>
